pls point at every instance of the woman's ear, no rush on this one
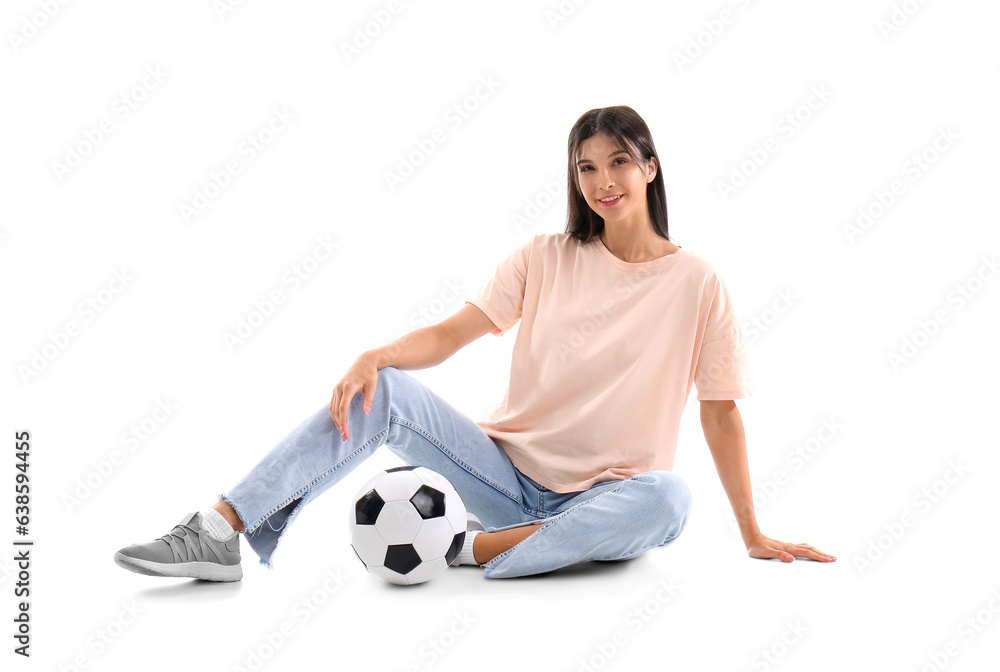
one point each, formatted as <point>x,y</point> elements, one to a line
<point>651,167</point>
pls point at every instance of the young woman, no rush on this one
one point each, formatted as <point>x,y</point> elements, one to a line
<point>617,323</point>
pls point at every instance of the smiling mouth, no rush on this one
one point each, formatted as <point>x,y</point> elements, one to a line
<point>610,199</point>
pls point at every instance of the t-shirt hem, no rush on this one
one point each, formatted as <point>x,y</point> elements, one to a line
<point>724,396</point>
<point>564,488</point>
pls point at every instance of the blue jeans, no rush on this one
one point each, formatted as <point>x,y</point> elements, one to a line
<point>613,520</point>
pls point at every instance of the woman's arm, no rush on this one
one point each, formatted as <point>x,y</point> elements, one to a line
<point>419,349</point>
<point>723,427</point>
<point>429,346</point>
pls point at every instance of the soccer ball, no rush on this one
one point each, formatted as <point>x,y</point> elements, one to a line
<point>407,524</point>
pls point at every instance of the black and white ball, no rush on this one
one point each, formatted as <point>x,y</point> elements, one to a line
<point>407,524</point>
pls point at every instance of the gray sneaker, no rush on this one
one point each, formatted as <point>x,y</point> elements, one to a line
<point>185,551</point>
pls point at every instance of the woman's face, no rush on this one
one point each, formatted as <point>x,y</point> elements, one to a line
<point>605,170</point>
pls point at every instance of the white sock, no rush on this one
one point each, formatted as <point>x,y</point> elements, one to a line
<point>216,526</point>
<point>465,556</point>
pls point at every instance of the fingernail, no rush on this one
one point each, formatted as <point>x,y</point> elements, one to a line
<point>368,410</point>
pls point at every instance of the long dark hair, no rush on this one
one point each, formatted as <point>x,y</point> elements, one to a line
<point>628,129</point>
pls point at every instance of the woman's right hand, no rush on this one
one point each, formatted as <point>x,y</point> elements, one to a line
<point>361,377</point>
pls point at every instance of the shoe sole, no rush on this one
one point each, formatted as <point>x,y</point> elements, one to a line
<point>206,571</point>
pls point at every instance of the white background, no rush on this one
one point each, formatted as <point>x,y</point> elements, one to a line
<point>822,356</point>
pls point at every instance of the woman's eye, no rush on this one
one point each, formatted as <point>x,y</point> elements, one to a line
<point>584,169</point>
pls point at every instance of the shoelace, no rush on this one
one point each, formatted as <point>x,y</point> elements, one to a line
<point>175,539</point>
<point>173,533</point>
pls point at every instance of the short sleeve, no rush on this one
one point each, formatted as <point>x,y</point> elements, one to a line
<point>502,297</point>
<point>723,368</point>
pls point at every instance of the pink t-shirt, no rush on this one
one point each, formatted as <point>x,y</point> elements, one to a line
<point>605,357</point>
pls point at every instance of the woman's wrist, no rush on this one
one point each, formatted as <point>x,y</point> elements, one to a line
<point>376,357</point>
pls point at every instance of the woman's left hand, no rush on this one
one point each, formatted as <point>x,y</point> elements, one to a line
<point>761,546</point>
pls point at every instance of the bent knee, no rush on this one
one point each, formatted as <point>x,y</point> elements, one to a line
<point>389,377</point>
<point>667,493</point>
<point>388,372</point>
<point>396,387</point>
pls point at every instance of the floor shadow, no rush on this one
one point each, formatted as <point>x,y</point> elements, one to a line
<point>592,569</point>
<point>194,590</point>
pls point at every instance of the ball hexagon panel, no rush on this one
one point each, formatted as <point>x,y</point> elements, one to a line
<point>398,522</point>
<point>369,545</point>
<point>425,571</point>
<point>433,479</point>
<point>434,538</point>
<point>456,515</point>
<point>399,486</point>
<point>387,574</point>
